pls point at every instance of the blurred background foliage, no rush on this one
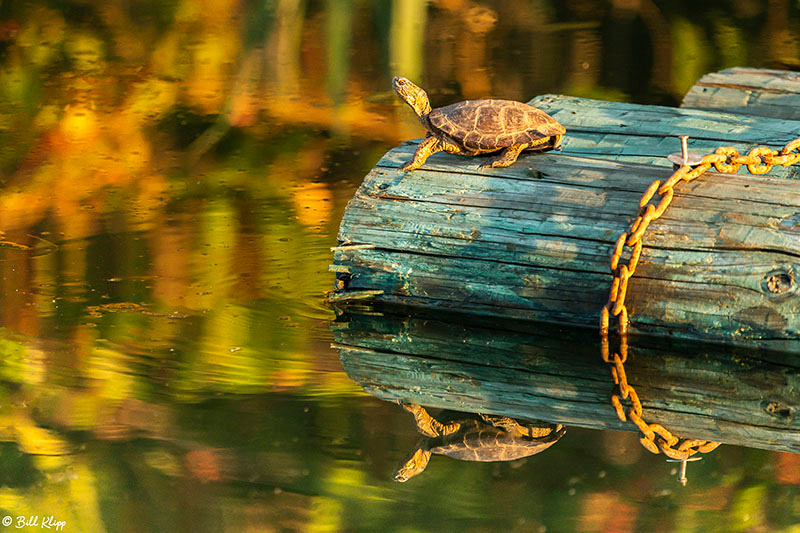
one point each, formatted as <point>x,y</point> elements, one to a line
<point>171,178</point>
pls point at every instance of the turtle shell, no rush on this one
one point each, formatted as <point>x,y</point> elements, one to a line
<point>476,441</point>
<point>486,125</point>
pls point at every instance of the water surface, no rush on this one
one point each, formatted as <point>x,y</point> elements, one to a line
<point>172,176</point>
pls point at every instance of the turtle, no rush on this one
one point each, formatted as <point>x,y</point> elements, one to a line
<point>478,127</point>
<point>474,437</point>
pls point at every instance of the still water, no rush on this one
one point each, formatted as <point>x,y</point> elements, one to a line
<point>172,175</point>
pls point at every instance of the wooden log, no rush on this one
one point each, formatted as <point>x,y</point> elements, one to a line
<point>702,391</point>
<point>533,240</point>
<point>753,92</point>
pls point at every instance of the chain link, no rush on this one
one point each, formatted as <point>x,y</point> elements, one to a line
<point>725,159</point>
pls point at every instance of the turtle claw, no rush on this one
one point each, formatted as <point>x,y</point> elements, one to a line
<point>410,407</point>
<point>493,163</point>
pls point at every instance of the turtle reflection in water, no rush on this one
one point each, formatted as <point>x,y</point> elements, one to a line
<point>474,437</point>
<point>479,127</point>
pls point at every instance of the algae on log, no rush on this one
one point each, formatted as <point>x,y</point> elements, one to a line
<point>754,92</point>
<point>725,394</point>
<point>533,240</point>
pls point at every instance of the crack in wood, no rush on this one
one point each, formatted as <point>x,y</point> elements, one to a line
<point>747,88</point>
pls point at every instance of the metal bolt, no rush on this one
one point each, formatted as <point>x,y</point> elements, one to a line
<point>685,153</point>
<point>682,474</point>
<point>684,157</point>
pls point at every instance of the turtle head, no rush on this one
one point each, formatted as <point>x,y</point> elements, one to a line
<point>412,95</point>
<point>412,466</point>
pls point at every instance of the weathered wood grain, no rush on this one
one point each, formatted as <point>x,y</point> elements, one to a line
<point>648,134</point>
<point>748,91</point>
<point>697,390</point>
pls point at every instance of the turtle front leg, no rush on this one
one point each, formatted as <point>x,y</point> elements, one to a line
<point>426,148</point>
<point>506,158</point>
<point>426,424</point>
<point>504,422</point>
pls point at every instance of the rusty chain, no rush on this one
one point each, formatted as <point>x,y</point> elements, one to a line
<point>725,159</point>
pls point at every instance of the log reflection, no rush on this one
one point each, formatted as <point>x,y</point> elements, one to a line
<point>702,391</point>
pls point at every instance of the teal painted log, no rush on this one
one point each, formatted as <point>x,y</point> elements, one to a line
<point>533,240</point>
<point>703,391</point>
<point>748,91</point>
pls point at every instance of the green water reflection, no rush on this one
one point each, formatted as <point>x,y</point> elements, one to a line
<point>172,178</point>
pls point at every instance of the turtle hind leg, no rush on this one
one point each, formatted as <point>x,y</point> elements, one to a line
<point>545,433</point>
<point>426,148</point>
<point>545,144</point>
<point>507,157</point>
